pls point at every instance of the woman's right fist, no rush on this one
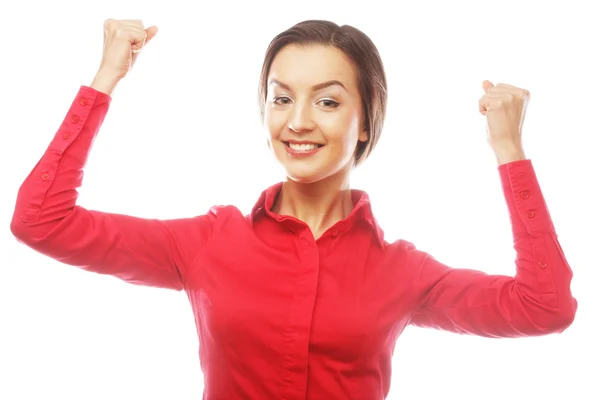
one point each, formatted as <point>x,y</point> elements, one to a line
<point>123,40</point>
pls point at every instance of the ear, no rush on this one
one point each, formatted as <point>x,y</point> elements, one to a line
<point>363,136</point>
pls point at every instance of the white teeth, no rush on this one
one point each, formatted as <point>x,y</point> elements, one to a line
<point>302,147</point>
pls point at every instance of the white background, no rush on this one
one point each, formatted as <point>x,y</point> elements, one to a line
<point>183,134</point>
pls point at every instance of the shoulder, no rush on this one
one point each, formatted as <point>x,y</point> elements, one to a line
<point>225,213</point>
<point>400,246</point>
<point>405,252</point>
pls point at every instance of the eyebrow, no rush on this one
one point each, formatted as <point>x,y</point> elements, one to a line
<point>318,86</point>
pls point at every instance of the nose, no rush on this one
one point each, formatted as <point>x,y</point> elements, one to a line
<point>301,119</point>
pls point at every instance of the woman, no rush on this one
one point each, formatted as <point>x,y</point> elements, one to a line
<point>303,298</point>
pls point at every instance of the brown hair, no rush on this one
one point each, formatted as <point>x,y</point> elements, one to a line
<point>372,82</point>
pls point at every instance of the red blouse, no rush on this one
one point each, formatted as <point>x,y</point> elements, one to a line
<point>278,314</point>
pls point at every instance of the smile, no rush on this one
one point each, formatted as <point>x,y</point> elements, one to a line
<point>302,149</point>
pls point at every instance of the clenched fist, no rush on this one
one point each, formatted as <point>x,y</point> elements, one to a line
<point>123,40</point>
<point>504,107</point>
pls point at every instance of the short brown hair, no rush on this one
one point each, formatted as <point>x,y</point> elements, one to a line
<point>372,82</point>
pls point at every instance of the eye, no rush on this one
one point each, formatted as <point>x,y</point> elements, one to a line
<point>328,103</point>
<point>282,100</point>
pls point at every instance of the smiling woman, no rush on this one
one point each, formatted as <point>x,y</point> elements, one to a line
<point>356,61</point>
<point>316,121</point>
<point>312,300</point>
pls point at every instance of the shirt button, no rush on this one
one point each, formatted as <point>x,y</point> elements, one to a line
<point>45,176</point>
<point>74,119</point>
<point>542,264</point>
<point>66,135</point>
<point>83,101</point>
<point>525,194</point>
<point>531,214</point>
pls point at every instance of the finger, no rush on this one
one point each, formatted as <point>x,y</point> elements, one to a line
<point>509,91</point>
<point>482,108</point>
<point>504,88</point>
<point>151,32</point>
<point>136,23</point>
<point>137,39</point>
<point>506,85</point>
<point>130,23</point>
<point>486,85</point>
<point>487,102</point>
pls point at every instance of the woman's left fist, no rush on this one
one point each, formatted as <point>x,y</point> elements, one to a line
<point>504,107</point>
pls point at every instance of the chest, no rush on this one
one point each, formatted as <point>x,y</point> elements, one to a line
<point>340,297</point>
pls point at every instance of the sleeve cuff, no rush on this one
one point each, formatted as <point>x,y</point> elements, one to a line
<point>526,204</point>
<point>100,97</point>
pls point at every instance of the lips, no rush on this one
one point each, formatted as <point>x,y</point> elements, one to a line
<point>302,146</point>
<point>299,149</point>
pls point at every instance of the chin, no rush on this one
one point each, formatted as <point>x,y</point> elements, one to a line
<point>309,170</point>
<point>304,177</point>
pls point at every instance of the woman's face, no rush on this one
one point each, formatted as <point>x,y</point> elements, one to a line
<point>313,112</point>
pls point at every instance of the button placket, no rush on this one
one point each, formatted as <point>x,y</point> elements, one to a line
<point>300,320</point>
<point>75,119</point>
<point>525,195</point>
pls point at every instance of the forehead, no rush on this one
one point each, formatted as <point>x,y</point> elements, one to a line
<point>308,65</point>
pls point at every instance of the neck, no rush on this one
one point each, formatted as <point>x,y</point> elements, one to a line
<point>320,204</point>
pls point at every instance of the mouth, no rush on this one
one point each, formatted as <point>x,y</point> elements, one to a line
<point>303,146</point>
<point>302,149</point>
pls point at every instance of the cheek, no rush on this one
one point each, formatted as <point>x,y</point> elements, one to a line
<point>274,124</point>
<point>342,130</point>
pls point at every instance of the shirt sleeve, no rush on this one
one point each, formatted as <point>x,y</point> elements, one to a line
<point>536,301</point>
<point>147,252</point>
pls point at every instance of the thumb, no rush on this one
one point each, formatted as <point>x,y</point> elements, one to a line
<point>486,85</point>
<point>151,32</point>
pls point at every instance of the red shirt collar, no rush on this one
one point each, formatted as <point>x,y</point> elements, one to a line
<point>362,211</point>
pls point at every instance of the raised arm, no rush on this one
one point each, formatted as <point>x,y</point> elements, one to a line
<point>538,299</point>
<point>47,218</point>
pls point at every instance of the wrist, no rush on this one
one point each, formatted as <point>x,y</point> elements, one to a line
<point>508,154</point>
<point>105,82</point>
